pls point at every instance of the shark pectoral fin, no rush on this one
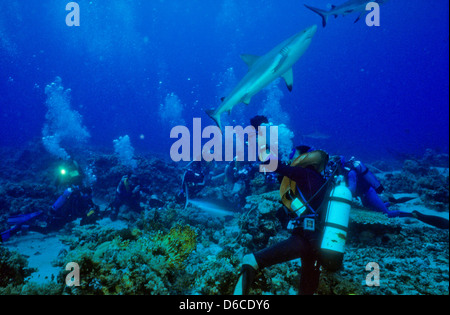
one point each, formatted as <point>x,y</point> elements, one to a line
<point>289,79</point>
<point>214,116</point>
<point>247,99</point>
<point>250,59</point>
<point>360,16</point>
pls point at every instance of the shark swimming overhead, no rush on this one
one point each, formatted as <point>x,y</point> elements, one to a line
<point>346,8</point>
<point>263,70</point>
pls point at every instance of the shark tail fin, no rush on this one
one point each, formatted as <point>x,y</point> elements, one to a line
<point>322,13</point>
<point>212,113</point>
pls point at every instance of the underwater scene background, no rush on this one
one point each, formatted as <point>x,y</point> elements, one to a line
<point>107,94</point>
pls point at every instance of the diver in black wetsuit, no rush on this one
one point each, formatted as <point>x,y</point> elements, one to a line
<point>128,192</point>
<point>75,202</point>
<point>303,178</point>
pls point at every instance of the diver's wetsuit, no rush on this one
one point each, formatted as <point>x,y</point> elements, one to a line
<point>302,244</point>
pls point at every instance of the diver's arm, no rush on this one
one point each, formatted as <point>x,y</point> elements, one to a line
<point>297,174</point>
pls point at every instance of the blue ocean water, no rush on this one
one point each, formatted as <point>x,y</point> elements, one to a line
<point>138,68</point>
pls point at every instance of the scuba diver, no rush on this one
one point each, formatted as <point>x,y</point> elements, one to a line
<point>363,184</point>
<point>68,174</point>
<point>74,203</point>
<point>303,190</point>
<point>128,192</point>
<point>194,178</point>
<point>198,174</point>
<point>239,174</point>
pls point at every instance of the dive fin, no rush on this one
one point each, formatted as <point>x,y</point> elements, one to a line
<point>435,221</point>
<point>4,236</point>
<point>212,113</point>
<point>322,13</point>
<point>22,218</point>
<point>289,79</point>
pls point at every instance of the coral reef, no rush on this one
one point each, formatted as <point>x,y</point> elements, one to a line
<point>145,263</point>
<point>13,268</point>
<point>168,248</point>
<point>428,176</point>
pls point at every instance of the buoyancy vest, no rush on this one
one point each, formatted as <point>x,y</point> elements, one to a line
<point>291,196</point>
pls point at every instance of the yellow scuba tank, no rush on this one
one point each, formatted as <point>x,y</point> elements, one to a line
<point>335,226</point>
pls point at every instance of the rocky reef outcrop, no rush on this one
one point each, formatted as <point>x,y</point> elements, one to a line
<point>170,248</point>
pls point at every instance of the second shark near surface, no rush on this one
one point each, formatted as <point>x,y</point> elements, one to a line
<point>263,70</point>
<point>346,8</point>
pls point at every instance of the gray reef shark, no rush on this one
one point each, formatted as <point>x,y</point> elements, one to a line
<point>317,136</point>
<point>263,70</point>
<point>346,8</point>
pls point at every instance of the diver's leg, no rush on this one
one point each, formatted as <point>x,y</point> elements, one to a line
<point>292,248</point>
<point>372,201</point>
<point>248,273</point>
<point>309,276</point>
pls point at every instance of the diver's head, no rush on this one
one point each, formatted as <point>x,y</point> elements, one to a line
<point>314,159</point>
<point>133,179</point>
<point>299,150</point>
<point>258,121</point>
<point>86,191</point>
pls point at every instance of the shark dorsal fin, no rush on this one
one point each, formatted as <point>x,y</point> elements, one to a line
<point>289,79</point>
<point>249,59</point>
